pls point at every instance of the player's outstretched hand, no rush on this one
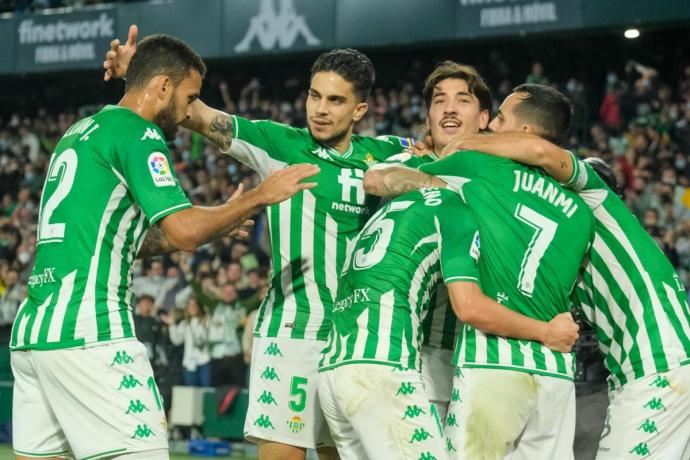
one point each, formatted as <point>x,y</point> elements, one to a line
<point>561,333</point>
<point>118,57</point>
<point>281,185</point>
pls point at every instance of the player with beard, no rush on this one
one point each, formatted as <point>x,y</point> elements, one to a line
<point>628,289</point>
<point>310,237</point>
<point>84,387</point>
<point>534,237</point>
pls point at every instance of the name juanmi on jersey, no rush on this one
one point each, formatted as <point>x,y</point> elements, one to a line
<point>547,191</point>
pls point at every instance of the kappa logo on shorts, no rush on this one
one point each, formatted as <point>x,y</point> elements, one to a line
<point>458,372</point>
<point>413,411</point>
<point>427,456</point>
<point>264,421</point>
<point>142,431</point>
<point>406,388</point>
<point>160,170</point>
<point>451,420</point>
<point>295,424</point>
<point>449,446</point>
<point>121,357</point>
<point>420,434</point>
<point>649,426</point>
<point>273,350</point>
<point>270,374</point>
<point>136,407</point>
<point>128,382</point>
<point>455,396</point>
<point>655,404</point>
<point>660,382</point>
<point>267,398</point>
<point>641,449</point>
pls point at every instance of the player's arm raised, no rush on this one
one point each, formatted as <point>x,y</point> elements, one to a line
<point>393,180</point>
<point>189,228</point>
<point>524,148</point>
<point>487,315</point>
<point>214,124</point>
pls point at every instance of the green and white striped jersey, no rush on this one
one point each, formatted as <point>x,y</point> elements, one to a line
<point>629,290</point>
<point>109,179</point>
<point>397,261</point>
<point>441,325</point>
<point>534,236</point>
<point>312,231</point>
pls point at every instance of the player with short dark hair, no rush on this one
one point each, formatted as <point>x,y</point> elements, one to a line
<point>628,290</point>
<point>310,237</point>
<point>83,386</point>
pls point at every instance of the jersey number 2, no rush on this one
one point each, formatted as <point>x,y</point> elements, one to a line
<point>544,231</point>
<point>63,168</point>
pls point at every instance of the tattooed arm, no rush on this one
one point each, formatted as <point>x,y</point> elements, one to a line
<point>155,244</point>
<point>391,181</point>
<point>521,147</point>
<point>213,124</point>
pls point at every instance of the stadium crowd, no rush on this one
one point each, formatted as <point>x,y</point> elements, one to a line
<point>194,312</point>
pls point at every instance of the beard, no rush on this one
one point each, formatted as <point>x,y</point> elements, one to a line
<point>166,121</point>
<point>333,139</point>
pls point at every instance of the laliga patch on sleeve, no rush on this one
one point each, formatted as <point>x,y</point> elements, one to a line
<point>160,170</point>
<point>474,249</point>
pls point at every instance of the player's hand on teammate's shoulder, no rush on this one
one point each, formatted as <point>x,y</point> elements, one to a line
<point>281,185</point>
<point>561,333</point>
<point>422,148</point>
<point>457,143</point>
<point>118,57</point>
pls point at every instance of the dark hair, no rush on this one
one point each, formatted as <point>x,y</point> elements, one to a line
<point>350,64</point>
<point>162,55</point>
<point>604,171</point>
<point>451,69</point>
<point>146,297</point>
<point>547,109</point>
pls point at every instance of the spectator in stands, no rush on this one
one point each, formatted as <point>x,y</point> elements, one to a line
<point>12,295</point>
<point>192,332</point>
<point>227,364</point>
<point>147,326</point>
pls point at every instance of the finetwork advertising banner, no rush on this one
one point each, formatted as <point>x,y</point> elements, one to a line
<point>63,41</point>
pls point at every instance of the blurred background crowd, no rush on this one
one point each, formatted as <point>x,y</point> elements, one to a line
<point>194,312</point>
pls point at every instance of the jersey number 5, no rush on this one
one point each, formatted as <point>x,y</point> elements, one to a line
<point>63,168</point>
<point>381,230</point>
<point>544,231</point>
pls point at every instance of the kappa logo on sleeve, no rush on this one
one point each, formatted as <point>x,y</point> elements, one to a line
<point>160,170</point>
<point>151,133</point>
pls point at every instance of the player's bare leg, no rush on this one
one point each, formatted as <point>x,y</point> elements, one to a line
<point>328,453</point>
<point>271,450</point>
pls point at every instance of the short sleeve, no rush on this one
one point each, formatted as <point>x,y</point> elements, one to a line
<point>460,243</point>
<point>261,145</point>
<point>583,177</point>
<point>145,167</point>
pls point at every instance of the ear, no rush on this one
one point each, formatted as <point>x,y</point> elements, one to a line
<point>360,110</point>
<point>529,129</point>
<point>484,119</point>
<point>164,86</point>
